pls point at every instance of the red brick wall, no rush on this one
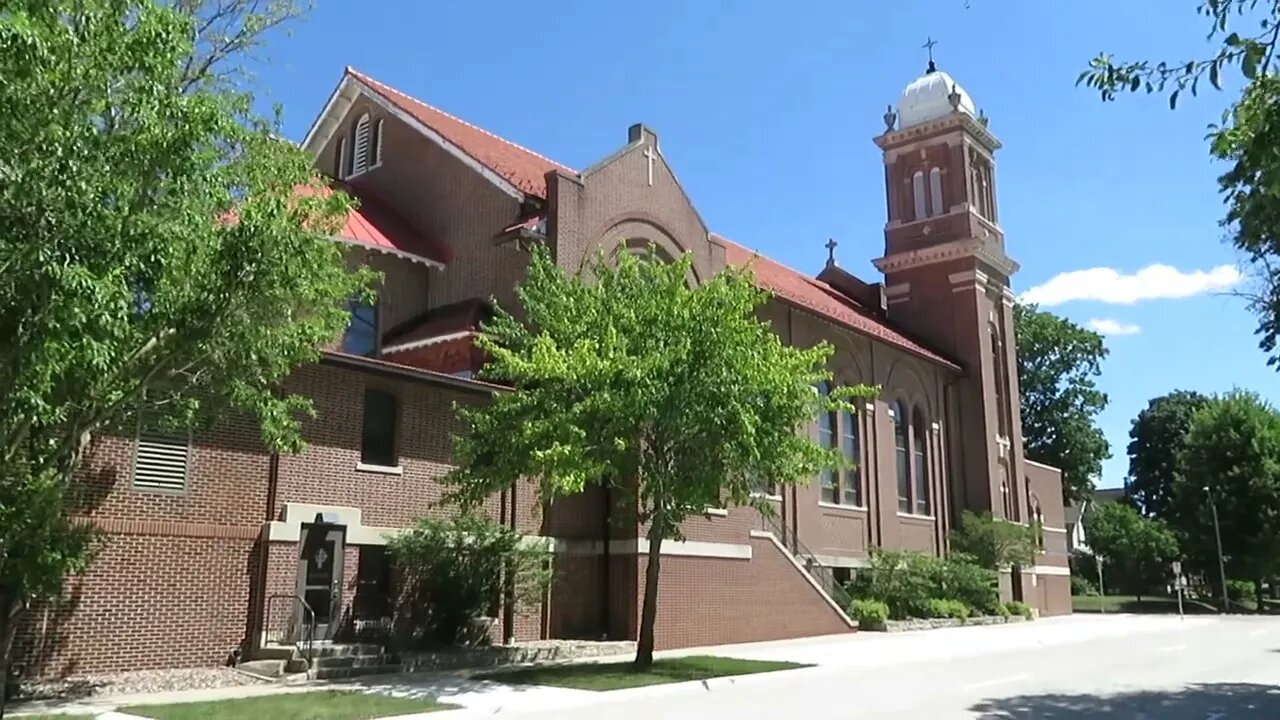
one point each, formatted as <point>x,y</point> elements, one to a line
<point>147,602</point>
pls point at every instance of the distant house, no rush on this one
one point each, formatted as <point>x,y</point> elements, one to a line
<point>1075,513</point>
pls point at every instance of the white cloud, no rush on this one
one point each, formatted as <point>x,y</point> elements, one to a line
<point>1107,326</point>
<point>1153,282</point>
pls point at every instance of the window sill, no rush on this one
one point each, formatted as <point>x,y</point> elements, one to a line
<point>837,506</point>
<point>914,516</point>
<point>766,496</point>
<point>380,469</point>
<point>716,512</point>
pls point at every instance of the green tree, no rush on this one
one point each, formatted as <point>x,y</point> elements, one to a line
<point>1233,452</point>
<point>678,398</point>
<point>1156,438</point>
<point>1244,140</point>
<point>1058,362</point>
<point>994,543</point>
<point>152,237</point>
<point>1137,551</point>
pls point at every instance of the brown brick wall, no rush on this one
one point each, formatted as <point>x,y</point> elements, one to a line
<point>712,601</point>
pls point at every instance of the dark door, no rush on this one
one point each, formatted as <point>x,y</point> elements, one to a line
<point>320,578</point>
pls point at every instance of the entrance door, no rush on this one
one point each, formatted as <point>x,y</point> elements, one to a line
<point>320,578</point>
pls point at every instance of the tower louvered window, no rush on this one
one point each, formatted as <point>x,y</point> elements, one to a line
<point>360,146</point>
<point>161,458</point>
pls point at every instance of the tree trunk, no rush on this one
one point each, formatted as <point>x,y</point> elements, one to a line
<point>1257,596</point>
<point>8,629</point>
<point>649,612</point>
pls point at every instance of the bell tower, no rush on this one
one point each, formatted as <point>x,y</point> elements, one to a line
<point>946,276</point>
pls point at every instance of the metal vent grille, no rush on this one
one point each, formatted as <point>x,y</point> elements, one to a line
<point>160,462</point>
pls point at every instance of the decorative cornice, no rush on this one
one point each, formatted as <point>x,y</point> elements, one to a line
<point>954,121</point>
<point>962,248</point>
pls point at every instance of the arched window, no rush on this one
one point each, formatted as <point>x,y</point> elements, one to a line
<point>1006,493</point>
<point>360,146</point>
<point>920,457</point>
<point>917,195</point>
<point>935,192</point>
<point>826,439</point>
<point>901,451</point>
<point>850,445</point>
<point>1001,379</point>
<point>377,143</point>
<point>339,157</point>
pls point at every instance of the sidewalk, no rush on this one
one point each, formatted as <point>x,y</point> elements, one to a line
<point>833,652</point>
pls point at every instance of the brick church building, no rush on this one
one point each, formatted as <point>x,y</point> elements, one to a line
<point>214,544</point>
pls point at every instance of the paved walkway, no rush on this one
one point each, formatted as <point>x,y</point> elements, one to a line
<point>878,651</point>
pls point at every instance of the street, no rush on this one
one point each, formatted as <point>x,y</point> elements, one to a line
<point>1157,668</point>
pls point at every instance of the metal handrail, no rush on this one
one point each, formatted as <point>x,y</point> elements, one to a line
<point>288,635</point>
<point>819,572</point>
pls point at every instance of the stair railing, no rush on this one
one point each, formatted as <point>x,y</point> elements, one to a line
<point>288,632</point>
<point>808,560</point>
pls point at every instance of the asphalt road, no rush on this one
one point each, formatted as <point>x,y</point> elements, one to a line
<point>1113,667</point>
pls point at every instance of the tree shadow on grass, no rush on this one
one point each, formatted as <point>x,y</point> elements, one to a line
<point>1208,701</point>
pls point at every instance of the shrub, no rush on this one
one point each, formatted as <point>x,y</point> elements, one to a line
<point>1238,590</point>
<point>994,543</point>
<point>1001,611</point>
<point>1018,608</point>
<point>453,572</point>
<point>870,614</point>
<point>1081,586</point>
<point>906,581</point>
<point>940,608</point>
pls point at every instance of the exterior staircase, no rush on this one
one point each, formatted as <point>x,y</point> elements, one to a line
<point>807,560</point>
<point>324,661</point>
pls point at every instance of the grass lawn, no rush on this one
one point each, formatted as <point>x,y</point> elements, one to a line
<point>617,676</point>
<point>329,705</point>
<point>1149,605</point>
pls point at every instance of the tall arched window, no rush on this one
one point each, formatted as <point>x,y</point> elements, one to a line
<point>901,451</point>
<point>360,146</point>
<point>935,192</point>
<point>1001,380</point>
<point>1006,493</point>
<point>339,158</point>
<point>851,474</point>
<point>826,439</point>
<point>920,457</point>
<point>917,196</point>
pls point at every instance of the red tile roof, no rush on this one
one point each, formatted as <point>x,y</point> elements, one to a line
<point>519,166</point>
<point>821,299</point>
<point>442,323</point>
<point>526,170</point>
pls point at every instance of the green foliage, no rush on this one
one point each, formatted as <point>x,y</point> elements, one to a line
<point>1000,611</point>
<point>1058,363</point>
<point>870,614</point>
<point>156,235</point>
<point>1156,438</point>
<point>994,543</point>
<point>906,581</point>
<point>677,398</point>
<point>1136,550</point>
<point>1238,590</point>
<point>1015,607</point>
<point>954,609</point>
<point>1244,35</point>
<point>453,571</point>
<point>1232,455</point>
<point>1082,587</point>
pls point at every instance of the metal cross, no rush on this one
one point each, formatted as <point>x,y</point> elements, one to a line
<point>650,156</point>
<point>831,251</point>
<point>928,45</point>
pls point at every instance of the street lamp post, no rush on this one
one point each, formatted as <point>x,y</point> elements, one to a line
<point>1217,536</point>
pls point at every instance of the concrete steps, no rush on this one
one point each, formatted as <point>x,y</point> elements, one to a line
<point>328,661</point>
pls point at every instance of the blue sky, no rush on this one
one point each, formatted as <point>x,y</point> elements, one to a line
<point>767,117</point>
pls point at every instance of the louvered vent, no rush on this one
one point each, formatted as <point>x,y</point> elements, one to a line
<point>360,147</point>
<point>161,462</point>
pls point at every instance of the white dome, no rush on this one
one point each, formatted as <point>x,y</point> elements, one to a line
<point>926,98</point>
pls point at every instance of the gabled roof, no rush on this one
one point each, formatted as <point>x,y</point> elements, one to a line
<point>526,170</point>
<point>520,166</point>
<point>821,299</point>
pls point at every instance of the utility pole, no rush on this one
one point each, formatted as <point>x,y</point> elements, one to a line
<point>1102,591</point>
<point>1217,536</point>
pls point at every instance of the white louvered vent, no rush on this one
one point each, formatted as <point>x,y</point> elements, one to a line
<point>360,146</point>
<point>160,462</point>
<point>377,144</point>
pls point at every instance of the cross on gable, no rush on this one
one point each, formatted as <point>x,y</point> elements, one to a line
<point>650,156</point>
